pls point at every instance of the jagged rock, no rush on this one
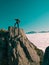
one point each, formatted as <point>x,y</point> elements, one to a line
<point>18,50</point>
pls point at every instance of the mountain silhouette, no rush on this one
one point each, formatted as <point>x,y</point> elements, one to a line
<point>46,57</point>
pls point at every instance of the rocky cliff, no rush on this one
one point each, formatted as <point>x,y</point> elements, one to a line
<point>18,50</point>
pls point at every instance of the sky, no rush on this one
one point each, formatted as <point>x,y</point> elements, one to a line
<point>33,14</point>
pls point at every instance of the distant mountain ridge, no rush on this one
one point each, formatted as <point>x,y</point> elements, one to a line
<point>32,32</point>
<point>43,32</point>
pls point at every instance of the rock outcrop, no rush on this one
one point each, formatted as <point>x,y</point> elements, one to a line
<point>18,50</point>
<point>46,57</point>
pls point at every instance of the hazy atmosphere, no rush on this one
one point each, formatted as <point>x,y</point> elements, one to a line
<point>33,14</point>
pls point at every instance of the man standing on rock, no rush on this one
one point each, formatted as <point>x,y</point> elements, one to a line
<point>17,22</point>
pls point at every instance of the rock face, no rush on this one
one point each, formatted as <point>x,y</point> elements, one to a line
<point>18,50</point>
<point>46,57</point>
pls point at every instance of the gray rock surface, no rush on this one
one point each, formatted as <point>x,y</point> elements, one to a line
<point>18,50</point>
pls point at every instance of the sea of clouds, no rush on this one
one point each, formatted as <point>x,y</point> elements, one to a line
<point>41,40</point>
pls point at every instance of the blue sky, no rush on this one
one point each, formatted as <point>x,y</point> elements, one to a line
<point>33,14</point>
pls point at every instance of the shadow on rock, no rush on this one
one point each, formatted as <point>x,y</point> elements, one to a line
<point>46,57</point>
